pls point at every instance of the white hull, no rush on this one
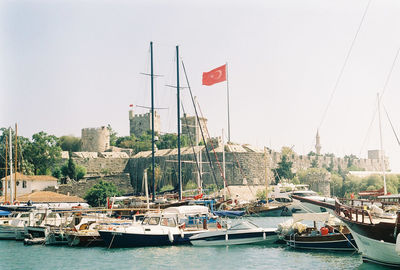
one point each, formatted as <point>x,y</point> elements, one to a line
<point>376,251</point>
<point>11,232</point>
<point>305,207</point>
<point>229,242</point>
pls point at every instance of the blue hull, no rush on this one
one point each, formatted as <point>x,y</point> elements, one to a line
<point>125,240</point>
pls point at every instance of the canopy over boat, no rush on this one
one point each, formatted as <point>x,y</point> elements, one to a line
<point>318,217</point>
<point>187,210</point>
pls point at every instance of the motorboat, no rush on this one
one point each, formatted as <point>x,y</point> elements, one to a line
<point>236,232</point>
<point>332,235</point>
<point>173,226</point>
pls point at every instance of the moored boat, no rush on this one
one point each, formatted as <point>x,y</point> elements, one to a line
<point>236,232</point>
<point>159,229</point>
<point>331,236</point>
<point>378,238</point>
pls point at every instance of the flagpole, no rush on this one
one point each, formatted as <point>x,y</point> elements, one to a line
<point>227,96</point>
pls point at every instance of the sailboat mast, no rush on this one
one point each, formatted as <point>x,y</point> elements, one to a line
<point>153,179</point>
<point>5,179</point>
<point>227,97</point>
<point>381,154</point>
<point>11,167</point>
<point>266,174</point>
<point>179,123</point>
<point>223,162</point>
<point>16,163</point>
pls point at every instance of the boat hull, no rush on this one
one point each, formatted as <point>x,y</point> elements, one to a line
<point>371,245</point>
<point>115,239</point>
<point>223,238</point>
<point>335,242</point>
<point>85,240</point>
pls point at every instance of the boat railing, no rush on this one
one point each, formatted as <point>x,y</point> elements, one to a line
<point>348,212</point>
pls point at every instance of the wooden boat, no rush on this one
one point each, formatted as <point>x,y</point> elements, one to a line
<point>331,236</point>
<point>239,233</point>
<point>377,237</point>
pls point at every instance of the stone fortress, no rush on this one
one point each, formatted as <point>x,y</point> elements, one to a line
<point>245,164</point>
<point>139,123</point>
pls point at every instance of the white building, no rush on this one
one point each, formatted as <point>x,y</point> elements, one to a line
<point>28,183</point>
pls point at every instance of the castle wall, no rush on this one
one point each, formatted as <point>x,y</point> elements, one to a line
<point>103,166</point>
<point>95,139</point>
<point>121,181</point>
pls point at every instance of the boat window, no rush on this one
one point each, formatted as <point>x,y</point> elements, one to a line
<point>24,215</point>
<point>52,215</point>
<point>154,220</point>
<point>305,194</point>
<point>145,221</point>
<point>170,222</point>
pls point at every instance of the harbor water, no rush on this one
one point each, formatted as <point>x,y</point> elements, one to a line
<point>14,255</point>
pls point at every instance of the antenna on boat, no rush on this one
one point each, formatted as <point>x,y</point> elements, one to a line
<point>381,156</point>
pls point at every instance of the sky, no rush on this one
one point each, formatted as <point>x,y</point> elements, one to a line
<point>68,65</point>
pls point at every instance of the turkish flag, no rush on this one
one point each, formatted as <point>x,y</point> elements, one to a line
<point>214,76</point>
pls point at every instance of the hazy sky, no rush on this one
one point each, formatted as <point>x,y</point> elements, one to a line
<point>67,65</point>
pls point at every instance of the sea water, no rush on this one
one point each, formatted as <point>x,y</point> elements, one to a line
<point>14,255</point>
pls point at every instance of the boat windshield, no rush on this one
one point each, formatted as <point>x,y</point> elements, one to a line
<point>243,226</point>
<point>151,221</point>
<point>170,222</point>
<point>305,194</point>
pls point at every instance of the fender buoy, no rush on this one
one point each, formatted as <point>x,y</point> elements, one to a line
<point>219,225</point>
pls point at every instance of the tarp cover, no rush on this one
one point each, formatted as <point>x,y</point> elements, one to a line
<point>319,217</point>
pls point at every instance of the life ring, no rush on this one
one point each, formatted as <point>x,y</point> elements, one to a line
<point>6,203</point>
<point>16,203</point>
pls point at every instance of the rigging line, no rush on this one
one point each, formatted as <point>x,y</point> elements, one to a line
<point>381,95</point>
<point>390,74</point>
<point>198,120</point>
<point>191,141</point>
<point>368,131</point>
<point>394,131</point>
<point>344,65</point>
<point>215,154</point>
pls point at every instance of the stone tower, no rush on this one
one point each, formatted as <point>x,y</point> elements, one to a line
<point>95,139</point>
<point>139,123</point>
<point>317,144</point>
<point>190,126</point>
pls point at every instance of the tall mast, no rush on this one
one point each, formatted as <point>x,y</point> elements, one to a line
<point>16,163</point>
<point>223,162</point>
<point>266,174</point>
<point>153,179</point>
<point>381,156</point>
<point>179,123</point>
<point>5,179</point>
<point>11,168</point>
<point>227,97</point>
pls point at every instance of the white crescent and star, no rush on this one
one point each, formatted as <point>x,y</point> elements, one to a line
<point>216,75</point>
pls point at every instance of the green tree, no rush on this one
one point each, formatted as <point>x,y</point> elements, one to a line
<point>113,135</point>
<point>70,143</point>
<point>72,170</point>
<point>43,152</point>
<point>24,165</point>
<point>80,172</point>
<point>284,170</point>
<point>314,163</point>
<point>97,195</point>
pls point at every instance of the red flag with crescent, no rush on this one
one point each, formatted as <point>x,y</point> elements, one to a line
<point>214,76</point>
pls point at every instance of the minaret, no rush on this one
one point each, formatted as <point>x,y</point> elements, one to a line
<point>317,145</point>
